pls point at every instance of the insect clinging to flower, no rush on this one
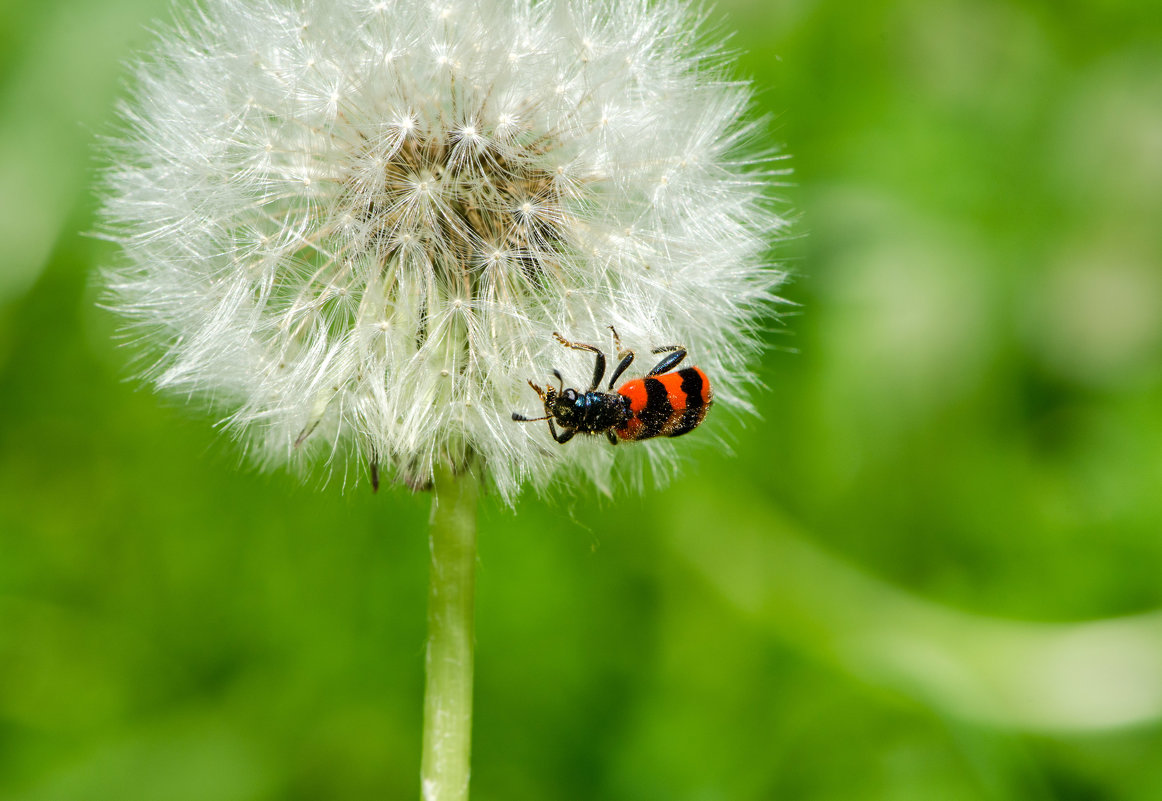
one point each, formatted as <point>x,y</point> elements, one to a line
<point>663,403</point>
<point>348,227</point>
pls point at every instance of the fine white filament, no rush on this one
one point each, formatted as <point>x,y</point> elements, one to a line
<point>352,227</point>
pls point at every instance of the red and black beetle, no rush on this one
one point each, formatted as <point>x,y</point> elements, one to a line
<point>660,404</point>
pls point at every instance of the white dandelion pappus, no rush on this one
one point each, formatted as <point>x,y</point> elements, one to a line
<point>352,227</point>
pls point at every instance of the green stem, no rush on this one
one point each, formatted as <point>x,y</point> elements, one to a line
<point>451,588</point>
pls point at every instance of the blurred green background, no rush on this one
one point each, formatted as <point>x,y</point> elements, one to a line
<point>930,570</point>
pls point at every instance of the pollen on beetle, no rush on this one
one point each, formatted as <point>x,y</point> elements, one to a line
<point>353,227</point>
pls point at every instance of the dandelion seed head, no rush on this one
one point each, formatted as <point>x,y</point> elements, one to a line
<point>353,227</point>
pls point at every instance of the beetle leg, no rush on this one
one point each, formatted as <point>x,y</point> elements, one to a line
<point>564,436</point>
<point>626,361</point>
<point>675,355</point>
<point>599,363</point>
<point>626,357</point>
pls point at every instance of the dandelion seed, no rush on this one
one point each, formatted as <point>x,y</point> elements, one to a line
<point>352,227</point>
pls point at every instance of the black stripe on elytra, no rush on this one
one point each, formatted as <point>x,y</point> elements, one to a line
<point>657,411</point>
<point>695,408</point>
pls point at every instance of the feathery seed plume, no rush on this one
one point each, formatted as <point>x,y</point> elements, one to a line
<point>352,227</point>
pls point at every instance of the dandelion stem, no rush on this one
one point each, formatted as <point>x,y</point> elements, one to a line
<point>451,588</point>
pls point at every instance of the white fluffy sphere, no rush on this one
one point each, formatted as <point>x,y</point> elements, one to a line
<point>352,227</point>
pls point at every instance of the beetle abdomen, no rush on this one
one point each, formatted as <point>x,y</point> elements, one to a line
<point>666,405</point>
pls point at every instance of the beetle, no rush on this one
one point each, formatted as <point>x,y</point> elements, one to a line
<point>662,403</point>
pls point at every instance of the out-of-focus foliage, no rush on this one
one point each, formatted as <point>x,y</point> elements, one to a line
<point>928,571</point>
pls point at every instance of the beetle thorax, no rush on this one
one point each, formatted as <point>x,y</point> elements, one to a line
<point>587,412</point>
